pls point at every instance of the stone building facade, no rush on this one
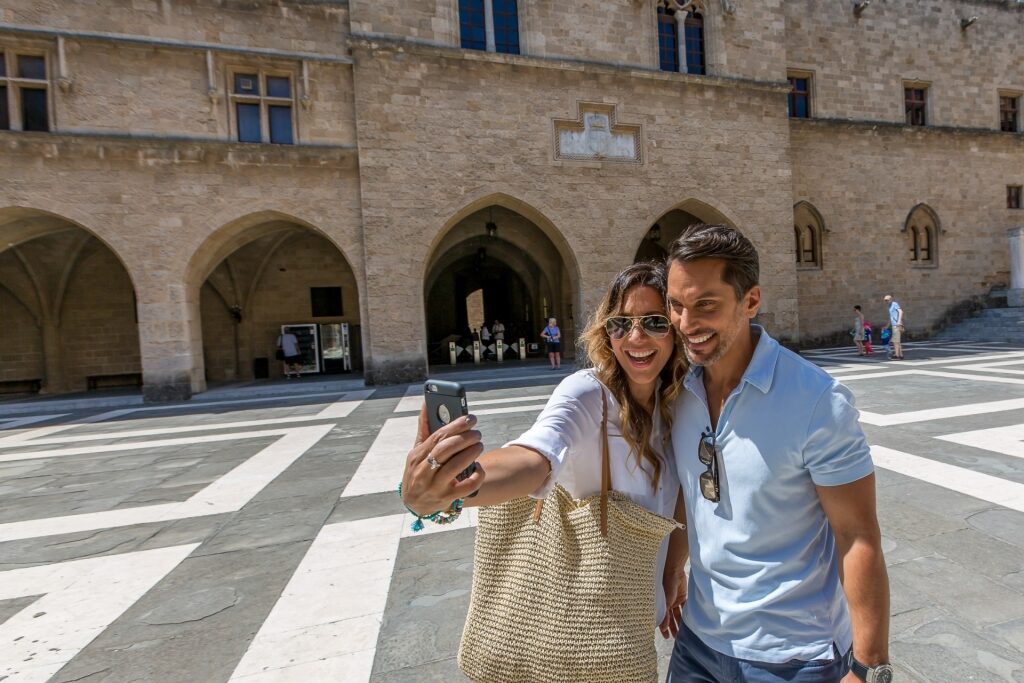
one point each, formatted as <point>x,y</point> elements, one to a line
<point>176,176</point>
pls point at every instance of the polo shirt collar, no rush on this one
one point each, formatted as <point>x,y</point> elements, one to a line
<point>761,370</point>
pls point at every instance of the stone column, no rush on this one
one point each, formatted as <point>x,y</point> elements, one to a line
<point>681,41</point>
<point>1015,295</point>
<point>170,342</point>
<point>55,382</point>
<point>489,25</point>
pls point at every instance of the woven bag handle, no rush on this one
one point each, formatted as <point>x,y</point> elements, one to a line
<point>606,471</point>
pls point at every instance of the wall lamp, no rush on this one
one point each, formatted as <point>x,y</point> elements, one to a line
<point>966,22</point>
<point>859,7</point>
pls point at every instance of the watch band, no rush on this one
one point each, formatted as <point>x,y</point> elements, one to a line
<point>878,674</point>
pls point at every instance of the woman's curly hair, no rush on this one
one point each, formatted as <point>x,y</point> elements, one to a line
<point>637,423</point>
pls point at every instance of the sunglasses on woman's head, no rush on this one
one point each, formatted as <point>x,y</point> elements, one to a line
<point>620,326</point>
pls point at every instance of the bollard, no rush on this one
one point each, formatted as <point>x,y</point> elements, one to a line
<point>501,351</point>
<point>476,352</point>
<point>522,348</point>
<point>453,355</point>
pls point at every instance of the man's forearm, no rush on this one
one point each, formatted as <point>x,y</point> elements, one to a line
<point>866,584</point>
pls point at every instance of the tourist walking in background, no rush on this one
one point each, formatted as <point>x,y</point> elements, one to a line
<point>288,351</point>
<point>858,330</point>
<point>896,323</point>
<point>552,335</point>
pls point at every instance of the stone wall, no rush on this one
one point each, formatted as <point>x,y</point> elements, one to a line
<point>483,130</point>
<point>859,64</point>
<point>168,210</point>
<point>864,180</point>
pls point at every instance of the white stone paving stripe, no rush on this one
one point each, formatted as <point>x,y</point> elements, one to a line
<point>80,598</point>
<point>326,623</point>
<point>413,400</point>
<point>333,411</point>
<point>1006,440</point>
<point>227,494</point>
<point>968,482</point>
<point>18,422</point>
<point>112,414</point>
<point>911,416</point>
<point>382,466</point>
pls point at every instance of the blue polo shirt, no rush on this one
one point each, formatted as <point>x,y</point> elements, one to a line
<point>894,313</point>
<point>764,580</point>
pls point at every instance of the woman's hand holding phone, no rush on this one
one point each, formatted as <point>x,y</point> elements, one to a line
<point>455,446</point>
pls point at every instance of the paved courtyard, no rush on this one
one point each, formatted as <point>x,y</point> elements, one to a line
<point>259,539</point>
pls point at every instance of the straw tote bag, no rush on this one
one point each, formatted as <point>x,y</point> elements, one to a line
<point>563,589</point>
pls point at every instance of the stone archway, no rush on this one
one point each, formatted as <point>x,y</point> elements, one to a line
<point>658,239</point>
<point>522,272</point>
<point>68,308</point>
<point>262,272</point>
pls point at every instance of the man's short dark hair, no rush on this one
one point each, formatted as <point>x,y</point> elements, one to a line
<point>742,267</point>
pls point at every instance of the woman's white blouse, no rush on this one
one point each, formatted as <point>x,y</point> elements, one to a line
<point>568,433</point>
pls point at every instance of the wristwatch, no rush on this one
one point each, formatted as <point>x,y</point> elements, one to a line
<point>869,674</point>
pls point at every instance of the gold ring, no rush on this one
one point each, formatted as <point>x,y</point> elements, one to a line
<point>432,461</point>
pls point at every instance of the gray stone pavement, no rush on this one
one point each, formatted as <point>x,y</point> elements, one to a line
<point>257,537</point>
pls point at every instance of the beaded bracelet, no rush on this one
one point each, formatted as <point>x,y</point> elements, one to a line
<point>440,517</point>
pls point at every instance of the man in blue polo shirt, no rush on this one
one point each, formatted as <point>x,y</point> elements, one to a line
<point>787,580</point>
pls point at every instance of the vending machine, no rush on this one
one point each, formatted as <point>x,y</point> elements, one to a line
<point>336,347</point>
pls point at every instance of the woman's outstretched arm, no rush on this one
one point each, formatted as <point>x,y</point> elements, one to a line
<point>501,475</point>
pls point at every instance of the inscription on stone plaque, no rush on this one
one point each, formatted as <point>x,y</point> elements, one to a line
<point>595,135</point>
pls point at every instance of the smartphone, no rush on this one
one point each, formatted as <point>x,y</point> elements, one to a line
<point>446,401</point>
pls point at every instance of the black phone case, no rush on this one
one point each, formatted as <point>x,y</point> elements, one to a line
<point>444,399</point>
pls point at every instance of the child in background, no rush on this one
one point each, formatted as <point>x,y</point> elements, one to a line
<point>867,339</point>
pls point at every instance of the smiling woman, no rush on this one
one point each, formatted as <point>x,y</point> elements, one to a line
<point>601,443</point>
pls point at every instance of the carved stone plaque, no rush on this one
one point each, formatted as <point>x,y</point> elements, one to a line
<point>595,135</point>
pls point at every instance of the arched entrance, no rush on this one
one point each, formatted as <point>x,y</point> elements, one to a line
<point>523,278</point>
<point>68,308</point>
<point>263,272</point>
<point>670,225</point>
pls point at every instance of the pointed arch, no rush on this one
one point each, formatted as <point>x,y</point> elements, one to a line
<point>810,232</point>
<point>923,227</point>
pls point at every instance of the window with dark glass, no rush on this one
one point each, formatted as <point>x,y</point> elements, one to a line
<point>506,26</point>
<point>668,43</point>
<point>1009,113</point>
<point>30,66</point>
<point>263,108</point>
<point>473,25</point>
<point>916,102</point>
<point>5,117</point>
<point>694,30</point>
<point>326,301</point>
<point>799,97</point>
<point>24,92</point>
<point>1013,196</point>
<point>33,110</point>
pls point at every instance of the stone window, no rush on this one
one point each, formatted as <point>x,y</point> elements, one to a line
<point>922,235</point>
<point>263,106</point>
<point>687,55</point>
<point>1009,113</point>
<point>808,229</point>
<point>915,98</point>
<point>668,43</point>
<point>799,95</point>
<point>807,253</point>
<point>326,301</point>
<point>491,25</point>
<point>24,92</point>
<point>694,34</point>
<point>1013,193</point>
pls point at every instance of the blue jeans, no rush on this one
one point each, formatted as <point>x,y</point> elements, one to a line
<point>695,662</point>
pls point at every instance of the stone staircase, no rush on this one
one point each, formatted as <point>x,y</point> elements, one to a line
<point>990,324</point>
